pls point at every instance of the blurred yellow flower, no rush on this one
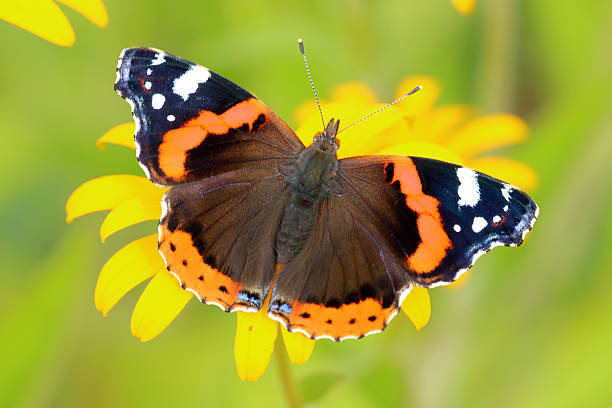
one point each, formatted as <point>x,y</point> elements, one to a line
<point>45,18</point>
<point>465,7</point>
<point>412,127</point>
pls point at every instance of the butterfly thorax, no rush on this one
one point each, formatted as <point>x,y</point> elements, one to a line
<point>311,178</point>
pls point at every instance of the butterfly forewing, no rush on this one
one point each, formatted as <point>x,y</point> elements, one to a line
<point>450,214</point>
<point>192,123</point>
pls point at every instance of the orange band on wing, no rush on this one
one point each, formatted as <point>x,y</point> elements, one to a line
<point>177,142</point>
<point>184,260</point>
<point>173,150</point>
<point>349,320</point>
<point>434,241</point>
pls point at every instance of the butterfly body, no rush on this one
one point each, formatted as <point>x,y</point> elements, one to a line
<point>311,178</point>
<point>252,214</point>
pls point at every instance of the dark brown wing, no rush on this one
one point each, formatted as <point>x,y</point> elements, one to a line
<point>217,236</point>
<point>192,123</point>
<point>344,283</point>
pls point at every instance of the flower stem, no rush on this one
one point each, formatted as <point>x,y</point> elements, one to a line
<point>286,378</point>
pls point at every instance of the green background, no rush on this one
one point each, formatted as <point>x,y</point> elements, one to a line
<point>531,328</point>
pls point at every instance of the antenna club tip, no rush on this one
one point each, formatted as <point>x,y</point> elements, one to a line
<point>301,44</point>
<point>415,90</point>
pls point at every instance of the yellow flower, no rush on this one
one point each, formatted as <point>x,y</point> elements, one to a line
<point>45,19</point>
<point>412,127</point>
<point>465,7</point>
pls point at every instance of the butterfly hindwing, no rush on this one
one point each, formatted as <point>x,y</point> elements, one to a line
<point>192,123</point>
<point>343,283</point>
<point>451,214</point>
<point>217,236</point>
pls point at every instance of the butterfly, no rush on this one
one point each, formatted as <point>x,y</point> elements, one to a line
<point>254,218</point>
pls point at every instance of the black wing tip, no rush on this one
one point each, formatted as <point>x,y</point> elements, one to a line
<point>130,61</point>
<point>516,239</point>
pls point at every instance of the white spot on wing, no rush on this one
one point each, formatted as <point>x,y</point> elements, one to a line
<point>159,59</point>
<point>188,83</point>
<point>457,228</point>
<point>469,190</point>
<point>157,101</point>
<point>496,219</point>
<point>148,85</point>
<point>506,191</point>
<point>170,118</point>
<point>505,208</point>
<point>149,71</point>
<point>479,224</point>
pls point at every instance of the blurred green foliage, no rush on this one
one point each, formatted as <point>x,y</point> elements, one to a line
<point>532,327</point>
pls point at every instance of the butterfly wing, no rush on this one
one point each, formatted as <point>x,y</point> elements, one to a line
<point>451,214</point>
<point>217,235</point>
<point>395,221</point>
<point>344,283</point>
<point>192,123</point>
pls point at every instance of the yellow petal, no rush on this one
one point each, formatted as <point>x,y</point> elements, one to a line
<point>93,10</point>
<point>354,93</point>
<point>422,149</point>
<point>128,267</point>
<point>465,7</point>
<point>122,135</point>
<point>486,133</point>
<point>132,211</point>
<point>105,193</point>
<point>40,17</point>
<point>255,336</point>
<point>299,347</point>
<point>160,303</point>
<point>417,306</point>
<point>459,283</point>
<point>359,139</point>
<point>438,123</point>
<point>423,100</point>
<point>508,170</point>
<point>305,111</point>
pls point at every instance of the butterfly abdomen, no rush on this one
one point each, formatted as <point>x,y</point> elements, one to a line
<point>295,229</point>
<point>311,178</point>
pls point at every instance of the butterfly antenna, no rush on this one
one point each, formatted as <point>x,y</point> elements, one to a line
<point>418,88</point>
<point>301,44</point>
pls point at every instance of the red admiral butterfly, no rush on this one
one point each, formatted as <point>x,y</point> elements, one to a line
<point>251,210</point>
